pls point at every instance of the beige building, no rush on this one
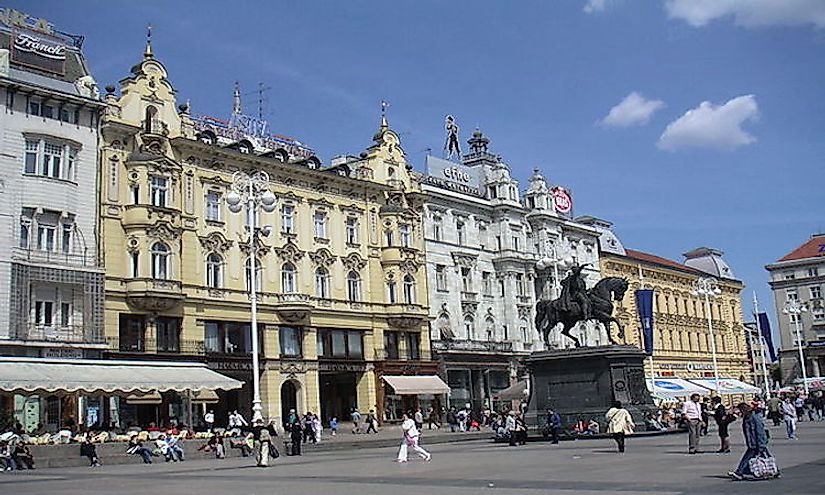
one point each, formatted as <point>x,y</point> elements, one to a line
<point>681,338</point>
<point>343,292</point>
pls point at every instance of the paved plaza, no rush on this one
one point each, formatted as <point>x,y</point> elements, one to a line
<point>652,465</point>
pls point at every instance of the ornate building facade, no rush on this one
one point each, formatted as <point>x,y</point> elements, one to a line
<point>178,263</point>
<point>483,240</point>
<point>681,338</point>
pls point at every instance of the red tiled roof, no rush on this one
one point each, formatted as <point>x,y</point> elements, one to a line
<point>658,260</point>
<point>813,248</point>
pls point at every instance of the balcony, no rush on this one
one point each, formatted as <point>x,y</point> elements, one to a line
<point>152,346</point>
<point>74,334</point>
<point>38,256</point>
<point>293,307</point>
<point>150,294</point>
<point>469,296</point>
<point>394,255</point>
<point>471,346</point>
<point>402,355</point>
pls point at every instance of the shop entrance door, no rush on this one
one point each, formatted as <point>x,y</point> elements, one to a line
<point>289,399</point>
<point>339,395</point>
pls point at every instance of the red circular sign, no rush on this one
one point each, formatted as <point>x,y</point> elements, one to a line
<point>562,200</point>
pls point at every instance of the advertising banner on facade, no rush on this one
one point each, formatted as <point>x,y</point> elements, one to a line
<point>644,303</point>
<point>38,50</point>
<point>765,328</point>
<point>455,176</point>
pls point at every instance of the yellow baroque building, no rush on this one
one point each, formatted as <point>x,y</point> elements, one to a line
<point>343,294</point>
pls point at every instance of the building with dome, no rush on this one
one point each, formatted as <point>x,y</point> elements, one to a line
<point>483,239</point>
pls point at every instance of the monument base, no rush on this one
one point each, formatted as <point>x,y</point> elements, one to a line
<point>581,384</point>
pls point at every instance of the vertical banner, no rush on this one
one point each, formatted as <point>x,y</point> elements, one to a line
<point>765,328</point>
<point>644,303</point>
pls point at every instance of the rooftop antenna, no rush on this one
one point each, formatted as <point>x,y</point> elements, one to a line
<point>384,106</point>
<point>260,98</point>
<point>148,52</point>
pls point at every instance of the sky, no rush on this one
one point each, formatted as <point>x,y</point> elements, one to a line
<point>686,123</point>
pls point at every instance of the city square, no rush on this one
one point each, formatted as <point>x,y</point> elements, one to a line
<point>454,247</point>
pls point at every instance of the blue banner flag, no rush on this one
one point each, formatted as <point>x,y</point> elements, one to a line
<point>644,303</point>
<point>765,328</point>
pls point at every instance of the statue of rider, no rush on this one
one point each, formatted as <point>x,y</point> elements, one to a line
<point>574,290</point>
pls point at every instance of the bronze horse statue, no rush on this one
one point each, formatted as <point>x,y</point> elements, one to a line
<point>601,297</point>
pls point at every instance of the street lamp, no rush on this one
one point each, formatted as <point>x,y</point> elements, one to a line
<point>794,307</point>
<point>252,189</point>
<point>554,261</point>
<point>707,288</point>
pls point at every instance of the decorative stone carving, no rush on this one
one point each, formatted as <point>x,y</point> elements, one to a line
<point>289,252</point>
<point>354,261</point>
<point>524,312</point>
<point>404,322</point>
<point>132,244</point>
<point>261,249</point>
<point>408,266</point>
<point>215,242</point>
<point>469,307</point>
<point>463,260</point>
<point>164,231</point>
<point>322,257</point>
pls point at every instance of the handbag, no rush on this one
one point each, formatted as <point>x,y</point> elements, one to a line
<point>273,452</point>
<point>412,441</point>
<point>763,466</point>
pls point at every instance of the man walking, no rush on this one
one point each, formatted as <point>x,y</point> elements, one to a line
<point>355,416</point>
<point>553,424</point>
<point>692,413</point>
<point>774,403</point>
<point>789,415</point>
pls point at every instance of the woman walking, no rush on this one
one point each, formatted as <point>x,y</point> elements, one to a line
<point>756,439</point>
<point>409,439</point>
<point>619,423</point>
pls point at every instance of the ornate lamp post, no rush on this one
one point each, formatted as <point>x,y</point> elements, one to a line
<point>794,307</point>
<point>707,288</point>
<point>555,261</point>
<point>253,190</point>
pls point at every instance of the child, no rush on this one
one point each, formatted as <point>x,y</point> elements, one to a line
<point>333,425</point>
<point>88,450</point>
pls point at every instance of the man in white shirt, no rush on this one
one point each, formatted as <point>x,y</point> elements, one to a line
<point>209,419</point>
<point>788,410</point>
<point>692,412</point>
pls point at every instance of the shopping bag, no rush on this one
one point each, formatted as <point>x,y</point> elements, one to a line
<point>763,466</point>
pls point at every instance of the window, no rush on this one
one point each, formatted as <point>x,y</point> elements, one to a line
<point>290,338</point>
<point>132,332</point>
<point>288,219</point>
<point>47,111</point>
<point>34,108</point>
<point>71,158</point>
<point>65,314</point>
<point>321,282</point>
<point>32,146</point>
<point>214,269</point>
<point>501,288</point>
<point>352,230</point>
<point>151,124</point>
<point>466,280</point>
<point>25,231</point>
<point>320,225</point>
<point>437,228</point>
<point>46,237</point>
<point>353,286</point>
<point>135,256</point>
<point>258,275</point>
<point>160,261</point>
<point>515,243</point>
<point>288,278</point>
<point>487,283</point>
<point>391,344</point>
<point>440,277</point>
<point>392,296</point>
<point>43,313</point>
<point>344,344</point>
<point>519,284</point>
<point>66,238</point>
<point>227,337</point>
<point>818,314</point>
<point>404,231</point>
<point>813,272</point>
<point>409,289</point>
<point>213,206</point>
<point>52,158</point>
<point>791,295</point>
<point>793,318</point>
<point>167,334</point>
<point>388,238</point>
<point>413,346</point>
<point>470,327</point>
<point>816,292</point>
<point>135,190</point>
<point>498,242</point>
<point>459,227</point>
<point>159,189</point>
<point>789,275</point>
<point>525,337</point>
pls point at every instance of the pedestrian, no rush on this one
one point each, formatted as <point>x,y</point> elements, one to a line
<point>333,425</point>
<point>692,415</point>
<point>209,419</point>
<point>309,429</point>
<point>355,416</point>
<point>296,433</point>
<point>214,444</point>
<point>452,419</point>
<point>521,429</point>
<point>236,422</point>
<point>723,418</point>
<point>774,404</point>
<point>619,423</point>
<point>409,440</point>
<point>819,404</point>
<point>553,425</point>
<point>317,427</point>
<point>263,442</point>
<point>418,417</point>
<point>756,440</point>
<point>789,415</point>
<point>135,447</point>
<point>88,450</point>
<point>6,456</point>
<point>799,404</point>
<point>371,422</point>
<point>510,427</point>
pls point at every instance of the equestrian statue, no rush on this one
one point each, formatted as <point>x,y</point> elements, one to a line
<point>576,304</point>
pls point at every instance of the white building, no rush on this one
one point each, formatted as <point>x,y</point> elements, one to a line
<point>51,284</point>
<point>482,245</point>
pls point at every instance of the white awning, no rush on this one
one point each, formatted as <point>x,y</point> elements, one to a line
<point>728,386</point>
<point>674,387</point>
<point>35,375</point>
<point>414,385</point>
<point>518,391</point>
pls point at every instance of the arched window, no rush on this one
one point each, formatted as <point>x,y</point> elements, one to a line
<point>160,261</point>
<point>214,271</point>
<point>409,289</point>
<point>288,278</point>
<point>353,286</point>
<point>321,282</point>
<point>151,123</point>
<point>258,275</point>
<point>392,294</point>
<point>470,327</point>
<point>490,327</point>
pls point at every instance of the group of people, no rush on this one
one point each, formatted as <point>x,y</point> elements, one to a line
<point>15,455</point>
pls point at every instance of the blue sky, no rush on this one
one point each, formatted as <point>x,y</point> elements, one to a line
<point>743,173</point>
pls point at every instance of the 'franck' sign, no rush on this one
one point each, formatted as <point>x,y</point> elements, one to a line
<point>38,50</point>
<point>454,176</point>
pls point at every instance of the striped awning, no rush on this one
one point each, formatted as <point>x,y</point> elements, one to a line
<point>35,375</point>
<point>414,385</point>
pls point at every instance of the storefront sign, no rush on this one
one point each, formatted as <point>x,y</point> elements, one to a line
<point>38,50</point>
<point>562,200</point>
<point>342,367</point>
<point>62,353</point>
<point>684,366</point>
<point>231,365</point>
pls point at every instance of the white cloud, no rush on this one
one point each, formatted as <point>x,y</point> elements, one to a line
<point>749,13</point>
<point>634,109</point>
<point>712,126</point>
<point>594,6</point>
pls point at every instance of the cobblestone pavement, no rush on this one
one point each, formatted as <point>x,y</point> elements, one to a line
<point>652,465</point>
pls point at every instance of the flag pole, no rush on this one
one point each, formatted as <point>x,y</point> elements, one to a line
<point>764,345</point>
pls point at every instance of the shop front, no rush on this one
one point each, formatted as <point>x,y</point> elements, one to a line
<point>405,393</point>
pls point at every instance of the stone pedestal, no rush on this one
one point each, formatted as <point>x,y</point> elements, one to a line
<point>581,384</point>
